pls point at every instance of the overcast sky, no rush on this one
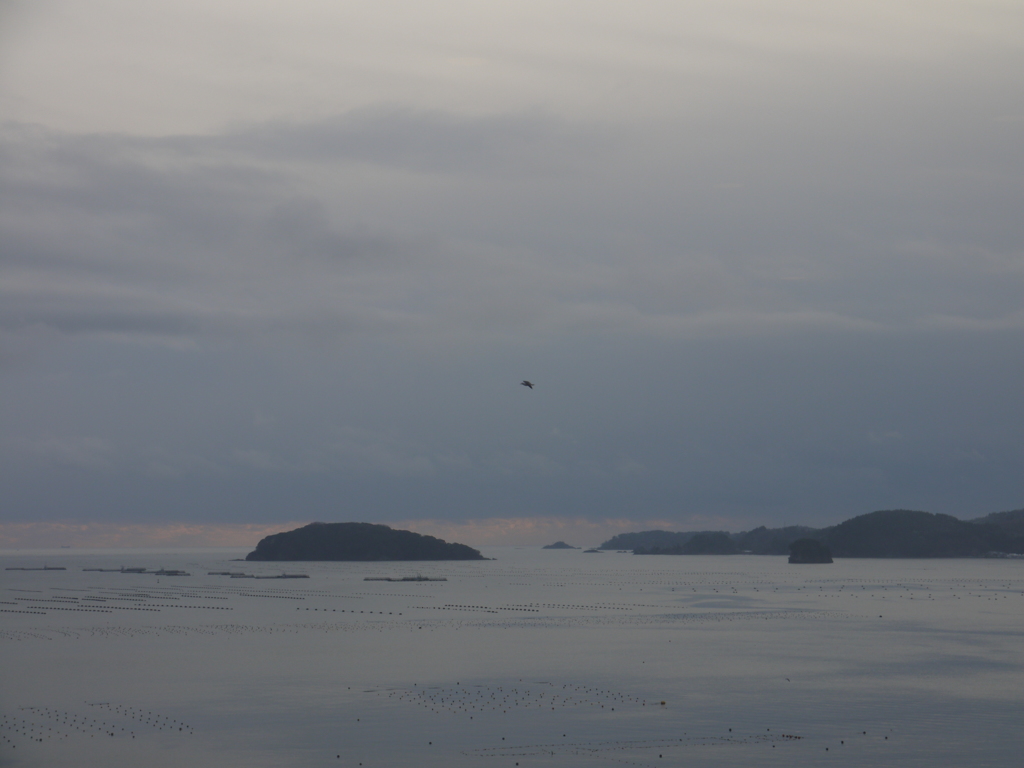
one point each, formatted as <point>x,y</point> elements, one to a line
<point>269,262</point>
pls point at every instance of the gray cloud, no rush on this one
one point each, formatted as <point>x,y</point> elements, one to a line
<point>78,452</point>
<point>785,307</point>
<point>234,215</point>
<point>431,142</point>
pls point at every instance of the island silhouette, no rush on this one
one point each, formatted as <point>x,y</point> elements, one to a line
<point>357,542</point>
<point>806,551</point>
<point>886,533</point>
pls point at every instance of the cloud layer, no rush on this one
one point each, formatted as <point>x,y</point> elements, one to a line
<point>762,271</point>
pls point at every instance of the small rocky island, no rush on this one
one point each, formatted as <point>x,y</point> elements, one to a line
<point>357,542</point>
<point>809,551</point>
<point>559,545</point>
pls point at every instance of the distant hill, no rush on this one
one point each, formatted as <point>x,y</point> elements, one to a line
<point>650,540</point>
<point>909,533</point>
<point>559,545</point>
<point>357,541</point>
<point>1011,522</point>
<point>706,543</point>
<point>760,541</point>
<point>886,533</point>
<point>772,541</point>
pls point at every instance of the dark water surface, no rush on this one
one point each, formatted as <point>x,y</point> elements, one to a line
<point>538,658</point>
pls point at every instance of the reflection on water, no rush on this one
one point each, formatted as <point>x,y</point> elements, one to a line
<point>538,658</point>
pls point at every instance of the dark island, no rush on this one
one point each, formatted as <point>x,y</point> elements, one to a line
<point>887,533</point>
<point>803,551</point>
<point>559,545</point>
<point>357,542</point>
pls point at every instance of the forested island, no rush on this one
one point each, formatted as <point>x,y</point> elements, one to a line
<point>357,542</point>
<point>809,552</point>
<point>886,533</point>
<point>559,545</point>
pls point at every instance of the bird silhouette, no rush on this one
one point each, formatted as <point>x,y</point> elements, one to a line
<point>527,383</point>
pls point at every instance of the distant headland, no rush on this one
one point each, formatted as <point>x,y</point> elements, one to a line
<point>886,533</point>
<point>357,542</point>
<point>559,545</point>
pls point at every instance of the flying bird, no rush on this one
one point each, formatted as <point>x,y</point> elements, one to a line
<point>526,383</point>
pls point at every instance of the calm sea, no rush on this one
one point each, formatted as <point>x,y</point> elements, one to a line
<point>536,658</point>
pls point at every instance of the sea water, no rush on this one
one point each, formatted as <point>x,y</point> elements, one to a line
<point>533,658</point>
